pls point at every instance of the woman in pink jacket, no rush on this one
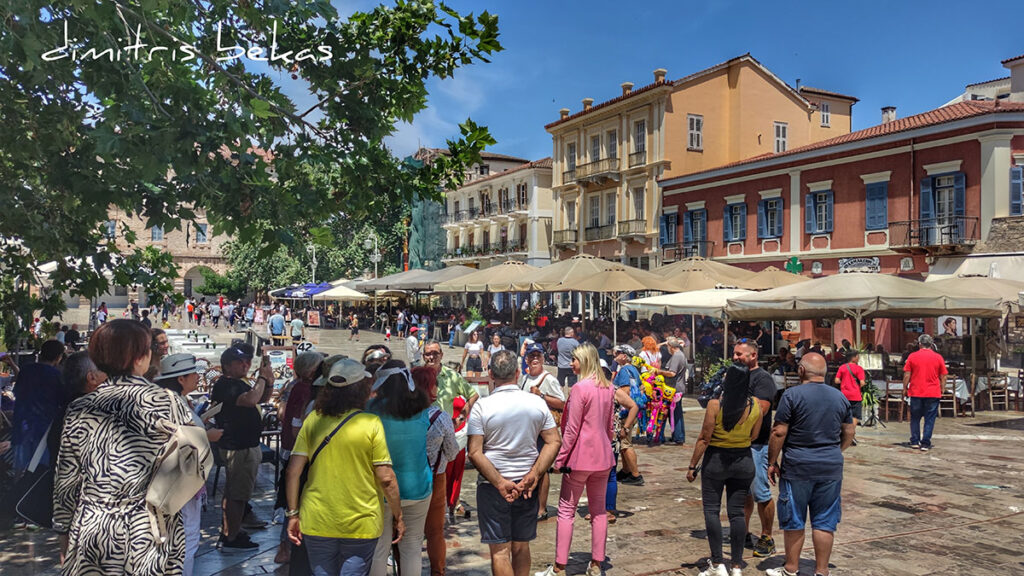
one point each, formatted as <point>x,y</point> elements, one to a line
<point>585,457</point>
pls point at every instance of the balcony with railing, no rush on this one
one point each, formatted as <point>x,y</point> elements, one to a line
<point>595,233</point>
<point>599,170</point>
<point>679,250</point>
<point>569,176</point>
<point>952,235</point>
<point>633,227</point>
<point>565,237</point>
<point>506,247</point>
<point>638,158</point>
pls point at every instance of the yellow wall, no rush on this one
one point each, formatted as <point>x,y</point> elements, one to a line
<point>740,106</point>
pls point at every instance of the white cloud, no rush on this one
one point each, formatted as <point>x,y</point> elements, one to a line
<point>428,129</point>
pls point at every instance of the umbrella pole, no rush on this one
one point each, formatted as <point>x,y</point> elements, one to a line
<point>857,319</point>
<point>693,338</point>
<point>725,337</point>
<point>513,303</point>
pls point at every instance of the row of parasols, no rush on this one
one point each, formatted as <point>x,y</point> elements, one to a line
<point>709,288</point>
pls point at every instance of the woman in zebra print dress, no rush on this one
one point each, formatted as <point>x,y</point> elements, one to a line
<point>111,440</point>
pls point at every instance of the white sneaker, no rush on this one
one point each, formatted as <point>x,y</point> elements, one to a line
<point>780,571</point>
<point>736,572</point>
<point>713,570</point>
<point>550,571</point>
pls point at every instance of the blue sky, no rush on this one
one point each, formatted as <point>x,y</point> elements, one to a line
<point>912,55</point>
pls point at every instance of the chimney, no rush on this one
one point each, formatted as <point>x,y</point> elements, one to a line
<point>1016,67</point>
<point>627,87</point>
<point>888,114</point>
<point>587,103</point>
<point>563,113</point>
<point>659,75</point>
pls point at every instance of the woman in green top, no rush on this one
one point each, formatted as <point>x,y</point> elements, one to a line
<point>730,423</point>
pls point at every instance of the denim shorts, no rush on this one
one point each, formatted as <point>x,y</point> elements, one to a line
<point>759,488</point>
<point>821,497</point>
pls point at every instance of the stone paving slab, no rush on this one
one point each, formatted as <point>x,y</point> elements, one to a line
<point>958,509</point>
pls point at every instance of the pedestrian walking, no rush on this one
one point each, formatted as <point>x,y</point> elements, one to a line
<point>565,346</point>
<point>922,379</point>
<point>723,458</point>
<point>585,458</point>
<point>413,350</point>
<point>850,377</point>
<point>442,447</point>
<point>812,427</point>
<point>472,355</point>
<point>627,379</point>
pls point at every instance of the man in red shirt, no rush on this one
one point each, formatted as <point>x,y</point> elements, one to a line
<point>922,379</point>
<point>850,378</point>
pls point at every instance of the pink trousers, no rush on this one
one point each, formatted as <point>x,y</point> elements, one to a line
<point>596,483</point>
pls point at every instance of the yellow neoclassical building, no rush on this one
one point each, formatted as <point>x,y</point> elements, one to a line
<point>608,157</point>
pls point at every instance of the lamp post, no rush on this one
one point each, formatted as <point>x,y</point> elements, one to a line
<point>311,249</point>
<point>370,243</point>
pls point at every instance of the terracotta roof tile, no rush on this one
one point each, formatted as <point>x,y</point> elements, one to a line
<point>542,163</point>
<point>1012,59</point>
<point>989,81</point>
<point>958,111</point>
<point>810,90</point>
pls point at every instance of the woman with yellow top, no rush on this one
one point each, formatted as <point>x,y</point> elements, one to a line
<point>730,423</point>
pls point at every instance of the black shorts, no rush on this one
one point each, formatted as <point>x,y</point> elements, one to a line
<point>355,330</point>
<point>501,521</point>
<point>857,409</point>
<point>566,377</point>
<point>474,364</point>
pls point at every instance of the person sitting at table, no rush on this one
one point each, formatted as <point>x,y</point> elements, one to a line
<point>785,363</point>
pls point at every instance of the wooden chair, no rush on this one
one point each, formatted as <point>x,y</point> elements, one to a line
<point>790,380</point>
<point>998,391</point>
<point>1017,396</point>
<point>949,401</point>
<point>893,400</point>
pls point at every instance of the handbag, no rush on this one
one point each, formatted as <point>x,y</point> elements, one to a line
<point>36,489</point>
<point>299,565</point>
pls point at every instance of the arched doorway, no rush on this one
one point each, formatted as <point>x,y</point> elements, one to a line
<point>193,281</point>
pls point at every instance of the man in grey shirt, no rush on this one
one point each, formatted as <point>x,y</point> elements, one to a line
<point>565,345</point>
<point>674,371</point>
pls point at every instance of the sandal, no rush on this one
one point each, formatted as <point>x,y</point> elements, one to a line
<point>543,516</point>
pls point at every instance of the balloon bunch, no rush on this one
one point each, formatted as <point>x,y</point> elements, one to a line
<point>660,396</point>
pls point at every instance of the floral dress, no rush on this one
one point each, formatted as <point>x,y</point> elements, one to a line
<point>110,443</point>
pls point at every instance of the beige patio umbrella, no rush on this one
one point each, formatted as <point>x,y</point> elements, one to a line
<point>616,280</point>
<point>552,277</point>
<point>690,280</point>
<point>709,302</point>
<point>1007,291</point>
<point>857,295</point>
<point>341,293</point>
<point>725,274</point>
<point>772,277</point>
<point>505,277</point>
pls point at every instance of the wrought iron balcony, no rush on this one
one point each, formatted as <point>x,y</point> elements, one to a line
<point>593,233</point>
<point>569,176</point>
<point>680,250</point>
<point>638,158</point>
<point>633,227</point>
<point>510,205</point>
<point>508,247</point>
<point>563,237</point>
<point>935,235</point>
<point>606,168</point>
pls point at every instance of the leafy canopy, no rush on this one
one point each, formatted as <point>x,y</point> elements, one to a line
<point>117,114</point>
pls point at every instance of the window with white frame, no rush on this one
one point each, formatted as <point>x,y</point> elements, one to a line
<point>821,206</point>
<point>781,136</point>
<point>201,230</point>
<point>826,114</point>
<point>773,217</point>
<point>609,207</point>
<point>483,170</point>
<point>695,132</point>
<point>156,233</point>
<point>639,195</point>
<point>612,143</point>
<point>595,148</point>
<point>595,211</point>
<point>639,135</point>
<point>736,214</point>
<point>945,203</point>
<point>522,196</point>
<point>570,156</point>
<point>570,213</point>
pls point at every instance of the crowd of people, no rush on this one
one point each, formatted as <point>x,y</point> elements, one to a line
<point>398,437</point>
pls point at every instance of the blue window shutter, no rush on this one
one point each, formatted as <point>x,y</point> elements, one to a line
<point>687,228</point>
<point>927,202</point>
<point>1017,191</point>
<point>877,206</point>
<point>828,211</point>
<point>742,235</point>
<point>778,218</point>
<point>959,194</point>
<point>726,225</point>
<point>702,217</point>
<point>809,224</point>
<point>761,221</point>
<point>663,230</point>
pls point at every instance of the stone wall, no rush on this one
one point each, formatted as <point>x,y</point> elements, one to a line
<point>1005,235</point>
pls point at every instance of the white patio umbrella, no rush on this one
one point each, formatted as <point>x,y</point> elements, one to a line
<point>711,302</point>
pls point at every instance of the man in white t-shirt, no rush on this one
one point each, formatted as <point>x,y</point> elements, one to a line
<point>298,329</point>
<point>503,430</point>
<point>537,380</point>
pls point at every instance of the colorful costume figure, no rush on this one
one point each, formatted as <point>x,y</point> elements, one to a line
<point>660,397</point>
